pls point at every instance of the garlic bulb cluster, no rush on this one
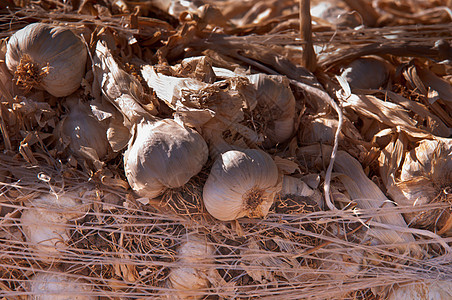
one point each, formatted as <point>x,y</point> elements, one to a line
<point>58,286</point>
<point>367,73</point>
<point>275,106</point>
<point>425,176</point>
<point>85,135</point>
<point>47,57</point>
<point>44,221</point>
<point>241,183</point>
<point>163,155</point>
<point>190,279</point>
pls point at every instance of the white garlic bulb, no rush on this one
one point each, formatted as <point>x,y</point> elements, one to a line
<point>163,155</point>
<point>44,221</point>
<point>367,73</point>
<point>275,105</point>
<point>59,286</point>
<point>241,183</point>
<point>189,280</point>
<point>44,230</point>
<point>334,14</point>
<point>425,175</point>
<point>47,57</point>
<point>431,290</point>
<point>87,137</point>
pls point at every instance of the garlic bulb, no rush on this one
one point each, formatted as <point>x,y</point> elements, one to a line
<point>275,106</point>
<point>86,136</point>
<point>59,286</point>
<point>47,57</point>
<point>425,176</point>
<point>241,183</point>
<point>334,14</point>
<point>190,279</point>
<point>367,73</point>
<point>163,155</point>
<point>45,230</point>
<point>431,290</point>
<point>44,222</point>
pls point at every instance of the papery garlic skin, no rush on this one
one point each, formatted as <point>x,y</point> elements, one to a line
<point>57,48</point>
<point>241,183</point>
<point>190,278</point>
<point>163,155</point>
<point>49,286</point>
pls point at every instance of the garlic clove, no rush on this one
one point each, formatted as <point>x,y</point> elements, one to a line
<point>188,283</point>
<point>44,221</point>
<point>334,14</point>
<point>195,248</point>
<point>47,57</point>
<point>241,183</point>
<point>163,155</point>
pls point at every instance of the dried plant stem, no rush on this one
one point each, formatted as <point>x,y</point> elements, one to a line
<point>325,97</point>
<point>4,130</point>
<point>308,58</point>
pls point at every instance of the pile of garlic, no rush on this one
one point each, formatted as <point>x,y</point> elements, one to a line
<point>238,120</point>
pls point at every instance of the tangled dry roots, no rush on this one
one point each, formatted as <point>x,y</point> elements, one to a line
<point>29,74</point>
